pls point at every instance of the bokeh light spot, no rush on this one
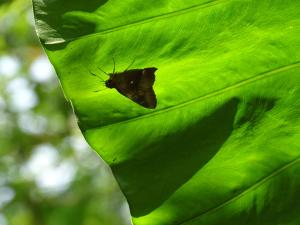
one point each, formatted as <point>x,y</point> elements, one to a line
<point>41,70</point>
<point>22,96</point>
<point>9,66</point>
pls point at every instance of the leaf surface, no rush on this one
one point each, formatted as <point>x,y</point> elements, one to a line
<point>223,144</point>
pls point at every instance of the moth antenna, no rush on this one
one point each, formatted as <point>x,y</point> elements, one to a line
<point>130,64</point>
<point>99,90</point>
<point>103,71</point>
<point>114,66</point>
<point>93,74</point>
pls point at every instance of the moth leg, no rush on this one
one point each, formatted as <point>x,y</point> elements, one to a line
<point>93,74</point>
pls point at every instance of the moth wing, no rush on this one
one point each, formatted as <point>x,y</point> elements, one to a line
<point>127,83</point>
<point>147,99</point>
<point>147,78</point>
<point>137,86</point>
<point>146,94</point>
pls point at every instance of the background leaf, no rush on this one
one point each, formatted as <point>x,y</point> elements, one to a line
<point>223,145</point>
<point>48,174</point>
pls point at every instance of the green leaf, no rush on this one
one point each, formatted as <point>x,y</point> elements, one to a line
<point>223,144</point>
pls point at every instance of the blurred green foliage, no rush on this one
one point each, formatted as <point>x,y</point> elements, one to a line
<point>48,174</point>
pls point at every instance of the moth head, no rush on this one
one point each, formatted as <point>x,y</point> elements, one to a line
<point>110,83</point>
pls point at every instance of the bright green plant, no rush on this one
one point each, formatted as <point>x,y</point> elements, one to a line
<point>223,145</point>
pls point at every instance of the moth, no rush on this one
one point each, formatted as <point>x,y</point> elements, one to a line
<point>135,84</point>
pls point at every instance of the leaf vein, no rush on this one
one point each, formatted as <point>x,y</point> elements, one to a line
<point>249,189</point>
<point>143,21</point>
<point>247,81</point>
<point>165,15</point>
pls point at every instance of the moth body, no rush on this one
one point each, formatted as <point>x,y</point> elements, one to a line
<point>135,84</point>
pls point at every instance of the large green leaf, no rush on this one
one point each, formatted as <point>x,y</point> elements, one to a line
<point>223,145</point>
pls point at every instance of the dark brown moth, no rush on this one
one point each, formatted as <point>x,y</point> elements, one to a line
<point>135,84</point>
